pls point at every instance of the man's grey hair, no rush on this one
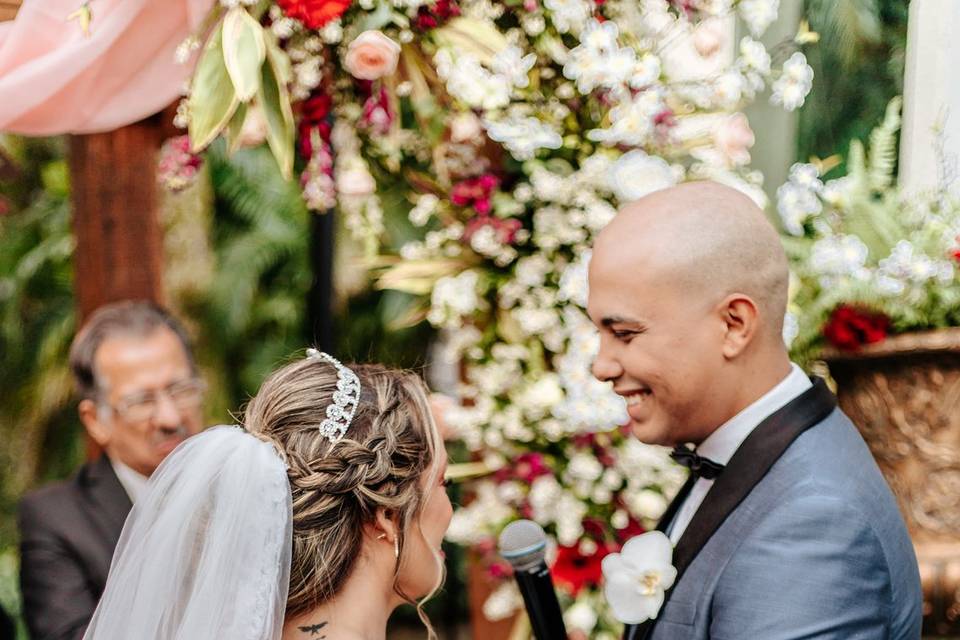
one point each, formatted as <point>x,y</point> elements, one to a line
<point>130,318</point>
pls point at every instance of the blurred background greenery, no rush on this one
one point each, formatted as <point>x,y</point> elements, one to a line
<point>238,269</point>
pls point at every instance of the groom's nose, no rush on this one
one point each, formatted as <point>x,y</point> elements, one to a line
<point>606,368</point>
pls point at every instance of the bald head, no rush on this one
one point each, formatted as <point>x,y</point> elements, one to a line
<point>708,240</point>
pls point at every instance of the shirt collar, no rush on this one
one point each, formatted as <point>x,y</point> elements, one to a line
<point>724,442</point>
<point>132,482</point>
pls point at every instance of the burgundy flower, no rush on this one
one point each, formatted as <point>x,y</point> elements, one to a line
<point>434,15</point>
<point>314,13</point>
<point>475,192</point>
<point>314,122</point>
<point>377,115</point>
<point>849,328</point>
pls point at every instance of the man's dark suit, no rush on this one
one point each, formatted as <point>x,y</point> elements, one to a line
<point>68,532</point>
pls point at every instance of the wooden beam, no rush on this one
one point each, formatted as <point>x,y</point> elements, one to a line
<point>119,252</point>
<point>8,9</point>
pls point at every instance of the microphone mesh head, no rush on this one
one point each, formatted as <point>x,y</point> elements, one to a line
<point>523,543</point>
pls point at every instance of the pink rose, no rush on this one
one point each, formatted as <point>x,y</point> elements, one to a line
<point>372,55</point>
<point>733,138</point>
<point>708,38</point>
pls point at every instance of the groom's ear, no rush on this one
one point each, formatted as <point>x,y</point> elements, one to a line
<point>741,319</point>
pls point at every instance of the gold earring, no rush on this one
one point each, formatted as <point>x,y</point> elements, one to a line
<point>396,548</point>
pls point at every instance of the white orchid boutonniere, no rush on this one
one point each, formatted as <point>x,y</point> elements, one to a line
<point>636,579</point>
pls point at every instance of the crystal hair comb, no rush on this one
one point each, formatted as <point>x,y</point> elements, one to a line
<point>345,398</point>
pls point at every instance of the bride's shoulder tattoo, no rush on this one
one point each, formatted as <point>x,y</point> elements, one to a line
<point>314,629</point>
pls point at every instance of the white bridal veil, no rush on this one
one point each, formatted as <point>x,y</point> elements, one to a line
<point>205,553</point>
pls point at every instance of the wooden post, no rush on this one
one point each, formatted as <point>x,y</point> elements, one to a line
<point>119,252</point>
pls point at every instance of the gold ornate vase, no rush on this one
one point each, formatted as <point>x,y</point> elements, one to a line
<point>904,395</point>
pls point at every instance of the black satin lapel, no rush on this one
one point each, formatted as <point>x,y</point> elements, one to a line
<point>751,462</point>
<point>107,502</point>
<point>675,504</point>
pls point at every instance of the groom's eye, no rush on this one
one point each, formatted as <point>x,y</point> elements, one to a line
<point>623,334</point>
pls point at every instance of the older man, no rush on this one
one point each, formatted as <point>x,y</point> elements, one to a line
<point>140,398</point>
<point>785,529</point>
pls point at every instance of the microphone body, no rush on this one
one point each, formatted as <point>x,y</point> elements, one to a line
<point>523,544</point>
<point>540,600</point>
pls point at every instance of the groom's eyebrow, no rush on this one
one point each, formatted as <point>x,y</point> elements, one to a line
<point>609,321</point>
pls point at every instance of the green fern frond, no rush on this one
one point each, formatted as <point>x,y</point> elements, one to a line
<point>883,147</point>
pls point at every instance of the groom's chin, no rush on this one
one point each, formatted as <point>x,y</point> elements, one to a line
<point>650,432</point>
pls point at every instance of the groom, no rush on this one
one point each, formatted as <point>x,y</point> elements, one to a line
<point>785,529</point>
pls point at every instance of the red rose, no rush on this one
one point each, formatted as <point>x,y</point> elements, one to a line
<point>849,328</point>
<point>314,13</point>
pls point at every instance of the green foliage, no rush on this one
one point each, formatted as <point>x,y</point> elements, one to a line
<point>36,325</point>
<point>858,67</point>
<point>253,316</point>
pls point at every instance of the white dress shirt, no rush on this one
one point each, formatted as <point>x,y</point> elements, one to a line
<point>132,482</point>
<point>724,442</point>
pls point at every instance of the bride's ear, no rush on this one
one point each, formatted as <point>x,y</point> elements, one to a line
<point>384,526</point>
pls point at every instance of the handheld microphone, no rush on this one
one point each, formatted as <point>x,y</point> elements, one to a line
<point>523,543</point>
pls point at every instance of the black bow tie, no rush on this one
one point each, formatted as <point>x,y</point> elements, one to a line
<point>698,465</point>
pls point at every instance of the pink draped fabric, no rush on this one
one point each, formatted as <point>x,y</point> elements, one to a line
<point>54,79</point>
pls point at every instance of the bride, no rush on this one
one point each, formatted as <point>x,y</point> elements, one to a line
<point>316,519</point>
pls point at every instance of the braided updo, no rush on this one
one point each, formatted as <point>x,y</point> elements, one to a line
<point>337,488</point>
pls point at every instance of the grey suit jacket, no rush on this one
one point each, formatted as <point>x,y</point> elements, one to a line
<point>814,547</point>
<point>68,532</point>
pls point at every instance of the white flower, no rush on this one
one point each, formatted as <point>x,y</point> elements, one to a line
<point>636,174</point>
<point>631,121</point>
<point>573,281</point>
<point>332,32</point>
<point>806,175</point>
<point>646,71</point>
<point>470,83</point>
<point>424,209</point>
<point>835,192</point>
<point>466,127</point>
<point>513,65</point>
<point>843,255</point>
<point>581,616</point>
<point>647,504</point>
<point>568,15</point>
<point>755,62</point>
<point>728,89</point>
<point>538,398</point>
<point>636,578</point>
<point>522,136</point>
<point>905,262</point>
<point>583,466</point>
<point>794,83</point>
<point>454,297</point>
<point>796,204</point>
<point>758,14</point>
<point>598,61</point>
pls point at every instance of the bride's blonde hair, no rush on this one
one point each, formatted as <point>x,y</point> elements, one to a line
<point>380,463</point>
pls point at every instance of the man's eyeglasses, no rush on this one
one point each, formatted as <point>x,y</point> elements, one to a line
<point>140,407</point>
